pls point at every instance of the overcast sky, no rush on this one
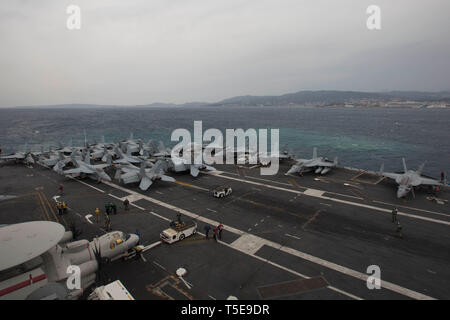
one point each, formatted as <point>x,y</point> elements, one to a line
<point>131,52</point>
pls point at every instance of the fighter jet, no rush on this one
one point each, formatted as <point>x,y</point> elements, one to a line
<point>161,151</point>
<point>180,163</point>
<point>130,145</point>
<point>152,149</point>
<point>409,179</point>
<point>64,160</point>
<point>145,176</point>
<point>85,168</point>
<point>52,160</point>
<point>25,157</point>
<point>318,164</point>
<point>126,158</point>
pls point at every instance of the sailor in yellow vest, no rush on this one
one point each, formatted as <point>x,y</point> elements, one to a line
<point>97,215</point>
<point>64,207</point>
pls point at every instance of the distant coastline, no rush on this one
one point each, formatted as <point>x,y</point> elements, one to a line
<point>322,98</point>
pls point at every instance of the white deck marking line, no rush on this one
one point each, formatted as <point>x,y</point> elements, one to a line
<point>161,217</point>
<point>287,184</point>
<point>212,297</point>
<point>159,265</point>
<point>288,270</point>
<point>305,256</point>
<point>143,209</point>
<point>411,208</point>
<point>121,199</point>
<point>211,210</point>
<point>87,184</point>
<point>134,205</point>
<point>290,235</point>
<point>325,204</point>
<point>339,200</point>
<point>356,274</point>
<point>340,194</point>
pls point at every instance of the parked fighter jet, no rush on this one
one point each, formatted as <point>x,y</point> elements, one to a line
<point>52,159</point>
<point>130,145</point>
<point>150,148</point>
<point>180,163</point>
<point>145,176</point>
<point>85,168</point>
<point>162,151</point>
<point>25,157</point>
<point>409,179</point>
<point>106,153</point>
<point>64,160</point>
<point>318,164</point>
<point>126,158</point>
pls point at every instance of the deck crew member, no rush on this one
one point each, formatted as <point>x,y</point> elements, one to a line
<point>215,233</point>
<point>59,206</point>
<point>207,228</point>
<point>107,208</point>
<point>64,207</point>
<point>399,229</point>
<point>61,189</point>
<point>97,215</point>
<point>113,208</point>
<point>126,203</point>
<point>220,228</point>
<point>107,223</point>
<point>394,214</point>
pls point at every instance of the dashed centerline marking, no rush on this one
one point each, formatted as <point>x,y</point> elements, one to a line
<point>290,235</point>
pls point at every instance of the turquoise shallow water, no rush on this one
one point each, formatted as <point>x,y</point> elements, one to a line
<point>362,138</point>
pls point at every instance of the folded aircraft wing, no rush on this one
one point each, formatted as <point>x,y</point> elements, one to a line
<point>79,170</point>
<point>130,177</point>
<point>427,181</point>
<point>321,163</point>
<point>167,178</point>
<point>391,175</point>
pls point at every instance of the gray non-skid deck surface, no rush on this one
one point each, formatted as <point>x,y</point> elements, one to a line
<point>333,226</point>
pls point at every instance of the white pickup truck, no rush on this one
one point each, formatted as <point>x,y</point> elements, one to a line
<point>178,232</point>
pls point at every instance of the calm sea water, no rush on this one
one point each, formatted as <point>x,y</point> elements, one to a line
<point>362,138</point>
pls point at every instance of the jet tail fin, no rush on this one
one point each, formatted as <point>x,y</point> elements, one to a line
<point>118,173</point>
<point>335,161</point>
<point>118,152</point>
<point>314,153</point>
<point>87,157</point>
<point>381,169</point>
<point>404,165</point>
<point>74,161</point>
<point>142,169</point>
<point>419,171</point>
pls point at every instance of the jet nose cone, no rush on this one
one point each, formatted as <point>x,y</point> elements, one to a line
<point>401,193</point>
<point>134,238</point>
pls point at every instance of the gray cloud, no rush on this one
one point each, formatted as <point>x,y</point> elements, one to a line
<point>138,52</point>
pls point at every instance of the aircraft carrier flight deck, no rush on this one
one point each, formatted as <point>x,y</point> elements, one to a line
<point>285,236</point>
